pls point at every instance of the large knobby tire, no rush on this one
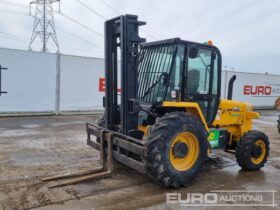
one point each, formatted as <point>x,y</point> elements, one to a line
<point>177,150</point>
<point>252,150</point>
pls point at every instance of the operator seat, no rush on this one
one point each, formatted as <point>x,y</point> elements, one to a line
<point>193,81</point>
<point>193,85</point>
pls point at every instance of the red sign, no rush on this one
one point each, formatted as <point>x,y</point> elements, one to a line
<point>257,90</point>
<point>102,85</point>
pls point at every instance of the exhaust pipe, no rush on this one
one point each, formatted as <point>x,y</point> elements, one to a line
<point>230,87</point>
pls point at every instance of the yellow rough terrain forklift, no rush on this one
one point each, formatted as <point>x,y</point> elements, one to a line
<point>169,115</point>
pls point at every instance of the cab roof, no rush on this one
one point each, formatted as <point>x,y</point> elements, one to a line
<point>176,41</point>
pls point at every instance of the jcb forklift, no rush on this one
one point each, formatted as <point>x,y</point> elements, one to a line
<point>170,114</point>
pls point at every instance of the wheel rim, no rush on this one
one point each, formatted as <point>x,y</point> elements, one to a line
<point>184,151</point>
<point>260,158</point>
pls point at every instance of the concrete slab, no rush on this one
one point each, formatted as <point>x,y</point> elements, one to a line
<point>33,147</point>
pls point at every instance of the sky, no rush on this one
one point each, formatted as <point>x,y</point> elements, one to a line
<point>247,32</point>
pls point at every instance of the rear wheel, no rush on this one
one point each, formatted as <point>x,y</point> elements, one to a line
<point>252,150</point>
<point>177,150</point>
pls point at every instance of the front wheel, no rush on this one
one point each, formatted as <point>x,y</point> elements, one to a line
<point>252,150</point>
<point>177,150</point>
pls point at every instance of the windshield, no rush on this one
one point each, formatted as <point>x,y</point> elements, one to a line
<point>159,70</point>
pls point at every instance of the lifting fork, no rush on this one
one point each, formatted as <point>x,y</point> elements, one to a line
<point>105,170</point>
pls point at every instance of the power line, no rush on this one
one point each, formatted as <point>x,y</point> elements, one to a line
<point>104,18</point>
<point>81,24</point>
<point>71,34</point>
<point>117,12</point>
<point>149,34</point>
<point>79,38</point>
<point>13,12</point>
<point>110,7</point>
<point>65,16</point>
<point>90,9</point>
<point>11,35</point>
<point>11,38</point>
<point>62,14</point>
<point>5,37</point>
<point>13,3</point>
<point>16,4</point>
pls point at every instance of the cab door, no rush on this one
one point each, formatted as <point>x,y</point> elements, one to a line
<point>203,79</point>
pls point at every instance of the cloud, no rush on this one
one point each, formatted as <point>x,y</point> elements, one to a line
<point>247,32</point>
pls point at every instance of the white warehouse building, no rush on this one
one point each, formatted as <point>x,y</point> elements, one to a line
<point>45,83</point>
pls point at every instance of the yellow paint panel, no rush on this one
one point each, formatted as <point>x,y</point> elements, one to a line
<point>253,115</point>
<point>143,128</point>
<point>236,117</point>
<point>190,107</point>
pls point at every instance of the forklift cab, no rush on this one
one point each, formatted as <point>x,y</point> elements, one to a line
<point>182,71</point>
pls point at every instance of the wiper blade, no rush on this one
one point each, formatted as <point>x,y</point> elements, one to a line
<point>163,74</point>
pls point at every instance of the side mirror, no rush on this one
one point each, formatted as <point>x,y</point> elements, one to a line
<point>193,53</point>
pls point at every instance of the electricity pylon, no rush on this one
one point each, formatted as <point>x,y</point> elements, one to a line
<point>44,26</point>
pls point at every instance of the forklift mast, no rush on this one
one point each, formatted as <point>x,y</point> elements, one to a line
<point>123,33</point>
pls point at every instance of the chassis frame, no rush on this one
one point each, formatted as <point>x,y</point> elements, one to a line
<point>126,150</point>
